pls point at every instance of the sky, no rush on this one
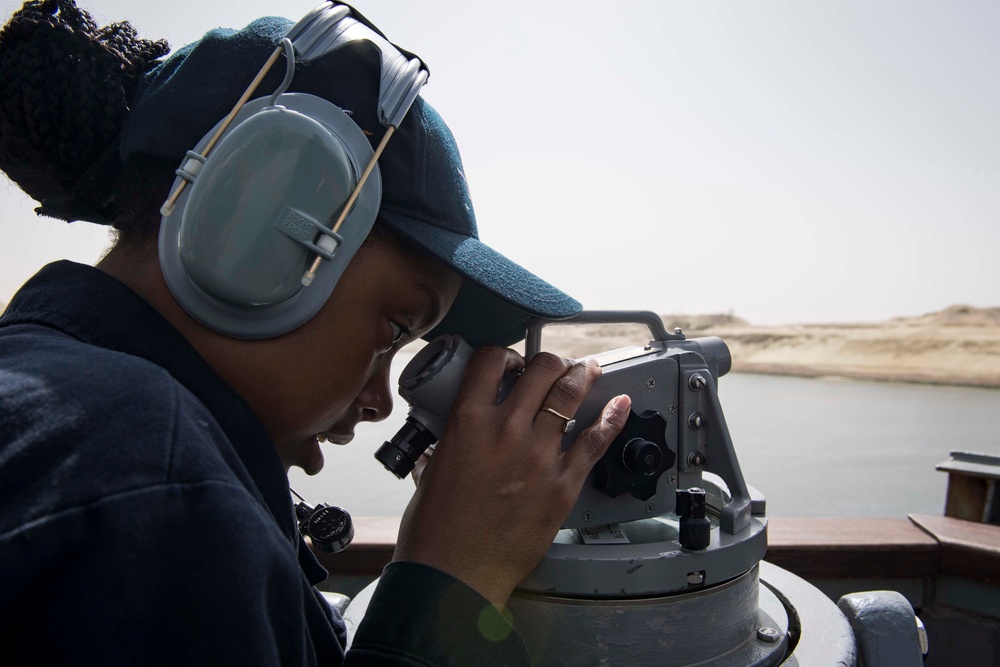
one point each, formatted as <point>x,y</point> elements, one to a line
<point>789,162</point>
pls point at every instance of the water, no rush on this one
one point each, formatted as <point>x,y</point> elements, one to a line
<point>814,447</point>
<point>824,447</point>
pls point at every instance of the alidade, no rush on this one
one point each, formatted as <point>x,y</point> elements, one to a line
<point>660,560</point>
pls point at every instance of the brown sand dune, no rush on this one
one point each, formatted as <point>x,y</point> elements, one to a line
<point>959,345</point>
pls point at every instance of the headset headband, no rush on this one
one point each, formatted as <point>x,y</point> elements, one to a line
<point>328,27</point>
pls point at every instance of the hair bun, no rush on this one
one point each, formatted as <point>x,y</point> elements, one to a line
<point>65,86</point>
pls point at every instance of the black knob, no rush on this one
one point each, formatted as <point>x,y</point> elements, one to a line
<point>695,528</point>
<point>642,456</point>
<point>637,458</point>
<point>329,527</point>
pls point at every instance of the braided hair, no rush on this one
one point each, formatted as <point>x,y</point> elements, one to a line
<point>65,88</point>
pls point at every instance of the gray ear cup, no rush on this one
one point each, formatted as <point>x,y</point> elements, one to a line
<point>242,235</point>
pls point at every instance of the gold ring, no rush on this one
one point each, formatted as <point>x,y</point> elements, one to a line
<point>568,422</point>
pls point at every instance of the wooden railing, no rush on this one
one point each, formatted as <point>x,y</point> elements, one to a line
<point>916,547</point>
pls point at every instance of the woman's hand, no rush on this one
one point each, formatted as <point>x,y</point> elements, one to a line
<point>498,487</point>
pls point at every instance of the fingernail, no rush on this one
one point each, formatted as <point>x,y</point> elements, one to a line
<point>619,406</point>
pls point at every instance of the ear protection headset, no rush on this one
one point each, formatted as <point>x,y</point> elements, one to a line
<point>269,208</point>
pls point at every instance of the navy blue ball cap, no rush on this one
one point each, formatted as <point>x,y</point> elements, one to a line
<point>425,197</point>
<point>425,200</point>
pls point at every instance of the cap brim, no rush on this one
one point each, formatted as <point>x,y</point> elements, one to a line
<point>497,298</point>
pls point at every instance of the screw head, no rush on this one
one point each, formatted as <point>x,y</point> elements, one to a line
<point>678,330</point>
<point>650,383</point>
<point>695,578</point>
<point>672,408</point>
<point>672,479</point>
<point>696,421</point>
<point>650,508</point>
<point>697,382</point>
<point>769,635</point>
<point>587,516</point>
<point>696,459</point>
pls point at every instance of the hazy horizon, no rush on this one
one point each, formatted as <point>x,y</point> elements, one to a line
<point>822,162</point>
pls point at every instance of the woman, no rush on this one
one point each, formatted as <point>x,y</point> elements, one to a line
<point>146,515</point>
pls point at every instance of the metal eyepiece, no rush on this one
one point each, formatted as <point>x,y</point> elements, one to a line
<point>399,455</point>
<point>430,384</point>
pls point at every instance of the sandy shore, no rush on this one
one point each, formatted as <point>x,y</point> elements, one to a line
<point>958,346</point>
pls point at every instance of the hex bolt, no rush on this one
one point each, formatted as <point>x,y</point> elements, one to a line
<point>769,635</point>
<point>697,382</point>
<point>650,383</point>
<point>696,421</point>
<point>587,516</point>
<point>672,408</point>
<point>696,459</point>
<point>650,508</point>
